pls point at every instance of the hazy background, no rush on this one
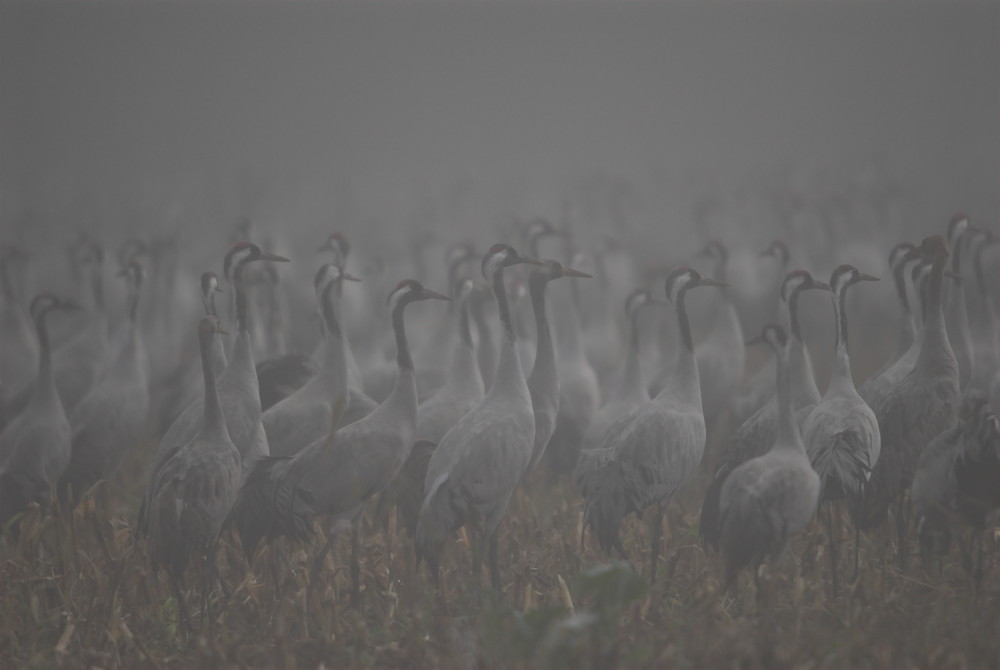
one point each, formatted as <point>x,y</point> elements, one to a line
<point>305,113</point>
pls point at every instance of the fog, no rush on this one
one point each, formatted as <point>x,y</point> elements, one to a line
<point>311,115</point>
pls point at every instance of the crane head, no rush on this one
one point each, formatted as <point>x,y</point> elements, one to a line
<point>501,256</point>
<point>338,244</point>
<point>773,335</point>
<point>684,278</point>
<point>243,253</point>
<point>779,251</point>
<point>44,303</point>
<point>330,274</point>
<point>847,275</point>
<point>410,290</point>
<point>934,248</point>
<point>636,299</point>
<point>800,280</point>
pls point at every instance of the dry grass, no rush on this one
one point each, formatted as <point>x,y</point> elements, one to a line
<point>78,591</point>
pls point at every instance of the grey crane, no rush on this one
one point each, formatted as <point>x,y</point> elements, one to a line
<point>238,389</point>
<point>720,356</point>
<point>880,384</point>
<point>543,382</point>
<point>769,498</point>
<point>111,419</point>
<point>186,387</point>
<point>35,445</point>
<point>915,410</point>
<point>462,391</point>
<point>648,454</point>
<point>304,416</point>
<point>756,435</point>
<point>19,349</point>
<point>480,460</point>
<point>434,355</point>
<point>759,388</point>
<point>906,331</point>
<point>957,482</point>
<point>336,475</point>
<point>841,435</point>
<point>632,390</point>
<point>956,314</point>
<point>195,487</point>
<point>79,362</point>
<point>579,392</point>
<point>983,317</point>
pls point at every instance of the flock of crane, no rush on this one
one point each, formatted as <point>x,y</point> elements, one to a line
<point>266,442</point>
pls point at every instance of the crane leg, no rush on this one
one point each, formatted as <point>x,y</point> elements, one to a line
<point>901,529</point>
<point>495,562</point>
<point>654,549</point>
<point>317,565</point>
<point>355,564</point>
<point>181,606</point>
<point>857,549</point>
<point>833,548</point>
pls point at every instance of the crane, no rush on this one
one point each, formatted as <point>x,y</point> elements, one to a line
<point>768,498</point>
<point>304,416</point>
<point>35,445</point>
<point>194,489</point>
<point>756,435</point>
<point>648,454</point>
<point>841,435</point>
<point>915,410</point>
<point>480,460</point>
<point>337,474</point>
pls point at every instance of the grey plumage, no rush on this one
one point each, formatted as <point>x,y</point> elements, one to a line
<point>35,445</point>
<point>769,498</point>
<point>918,408</point>
<point>304,416</point>
<point>957,479</point>
<point>194,489</point>
<point>111,419</point>
<point>336,475</point>
<point>841,435</point>
<point>543,382</point>
<point>649,453</point>
<point>480,460</point>
<point>632,390</point>
<point>756,435</point>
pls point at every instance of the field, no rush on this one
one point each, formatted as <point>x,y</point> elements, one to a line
<point>77,591</point>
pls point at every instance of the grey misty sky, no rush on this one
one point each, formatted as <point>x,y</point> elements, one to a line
<point>399,96</point>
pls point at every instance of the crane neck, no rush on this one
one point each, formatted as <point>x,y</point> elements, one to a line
<point>632,377</point>
<point>240,291</point>
<point>464,326</point>
<point>329,313</point>
<point>788,436</point>
<point>899,279</point>
<point>403,360</point>
<point>684,384</point>
<point>500,295</point>
<point>6,286</point>
<point>46,387</point>
<point>790,312</point>
<point>935,348</point>
<point>133,301</point>
<point>842,359</point>
<point>545,354</point>
<point>486,353</point>
<point>97,287</point>
<point>214,420</point>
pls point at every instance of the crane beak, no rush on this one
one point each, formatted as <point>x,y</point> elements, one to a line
<point>570,272</point>
<point>821,285</point>
<point>348,277</point>
<point>863,277</point>
<point>428,294</point>
<point>274,258</point>
<point>707,281</point>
